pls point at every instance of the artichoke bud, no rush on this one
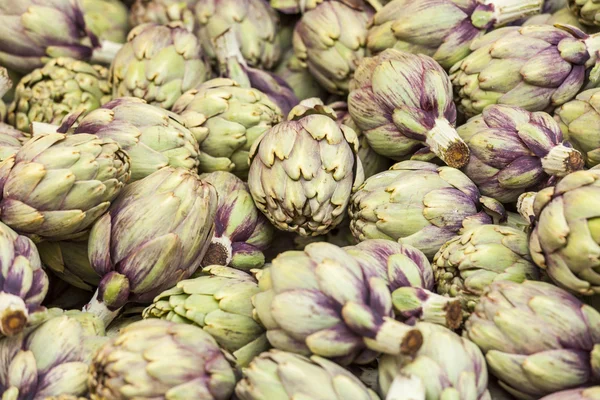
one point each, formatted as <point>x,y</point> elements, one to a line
<point>113,290</point>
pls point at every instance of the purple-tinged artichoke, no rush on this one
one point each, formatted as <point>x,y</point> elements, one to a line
<point>400,113</point>
<point>154,235</point>
<point>509,66</point>
<point>302,6</point>
<point>162,12</point>
<point>442,29</point>
<point>590,393</point>
<point>242,232</point>
<point>514,151</point>
<point>537,338</point>
<point>56,186</point>
<point>303,170</point>
<point>319,301</point>
<point>420,204</point>
<point>156,359</point>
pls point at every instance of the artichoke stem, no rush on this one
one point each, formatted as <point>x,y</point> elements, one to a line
<point>42,128</point>
<point>414,302</point>
<point>562,160</point>
<point>525,206</point>
<point>5,82</point>
<point>406,387</point>
<point>13,314</point>
<point>506,11</point>
<point>444,141</point>
<point>219,252</point>
<point>106,52</point>
<point>394,337</point>
<point>100,309</point>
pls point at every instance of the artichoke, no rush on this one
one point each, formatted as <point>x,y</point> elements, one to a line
<point>318,301</point>
<point>242,232</point>
<point>139,252</point>
<point>220,302</point>
<point>446,367</point>
<point>154,138</point>
<point>420,204</point>
<point>57,185</point>
<point>298,77</point>
<point>158,63</point>
<point>160,360</point>
<point>563,16</point>
<point>11,141</point>
<point>537,338</point>
<point>303,171</point>
<point>277,375</point>
<point>226,120</point>
<point>509,66</point>
<point>399,114</point>
<point>565,241</point>
<point>107,19</point>
<point>442,29</point>
<point>514,151</point>
<point>162,12</point>
<point>579,120</point>
<point>591,393</point>
<point>50,358</point>
<point>587,11</point>
<point>467,264</point>
<point>60,87</point>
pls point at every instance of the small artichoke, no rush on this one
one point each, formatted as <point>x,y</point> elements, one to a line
<point>160,360</point>
<point>162,12</point>
<point>303,170</point>
<point>277,375</point>
<point>107,19</point>
<point>158,64</point>
<point>537,338</point>
<point>56,186</point>
<point>420,204</point>
<point>220,302</point>
<point>399,114</point>
<point>60,87</point>
<point>226,119</point>
<point>587,11</point>
<point>591,393</point>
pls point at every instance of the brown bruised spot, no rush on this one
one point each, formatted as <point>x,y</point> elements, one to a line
<point>215,255</point>
<point>453,314</point>
<point>13,323</point>
<point>457,155</point>
<point>575,162</point>
<point>412,342</point>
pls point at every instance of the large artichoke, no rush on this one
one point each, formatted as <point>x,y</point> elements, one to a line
<point>57,185</point>
<point>162,12</point>
<point>107,19</point>
<point>226,120</point>
<point>158,63</point>
<point>514,151</point>
<point>277,375</point>
<point>537,338</point>
<point>420,204</point>
<point>60,87</point>
<point>303,170</point>
<point>220,302</point>
<point>588,11</point>
<point>591,393</point>
<point>161,360</point>
<point>399,114</point>
<point>509,66</point>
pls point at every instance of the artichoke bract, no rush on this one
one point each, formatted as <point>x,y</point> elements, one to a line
<point>161,359</point>
<point>420,204</point>
<point>588,11</point>
<point>467,265</point>
<point>514,151</point>
<point>242,232</point>
<point>402,102</point>
<point>565,239</point>
<point>226,119</point>
<point>278,375</point>
<point>152,137</point>
<point>509,66</point>
<point>579,120</point>
<point>50,358</point>
<point>331,40</point>
<point>11,140</point>
<point>220,302</point>
<point>158,63</point>
<point>107,19</point>
<point>447,366</point>
<point>563,16</point>
<point>56,186</point>
<point>537,338</point>
<point>162,12</point>
<point>591,393</point>
<point>442,29</point>
<point>23,282</point>
<point>154,235</point>
<point>60,87</point>
<point>303,170</point>
<point>318,301</point>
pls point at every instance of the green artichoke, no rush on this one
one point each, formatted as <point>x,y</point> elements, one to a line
<point>226,120</point>
<point>60,87</point>
<point>162,12</point>
<point>160,360</point>
<point>467,264</point>
<point>277,375</point>
<point>303,170</point>
<point>591,393</point>
<point>538,339</point>
<point>158,63</point>
<point>446,367</point>
<point>563,16</point>
<point>298,77</point>
<point>220,302</point>
<point>11,141</point>
<point>107,19</point>
<point>420,204</point>
<point>57,185</point>
<point>587,11</point>
<point>565,240</point>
